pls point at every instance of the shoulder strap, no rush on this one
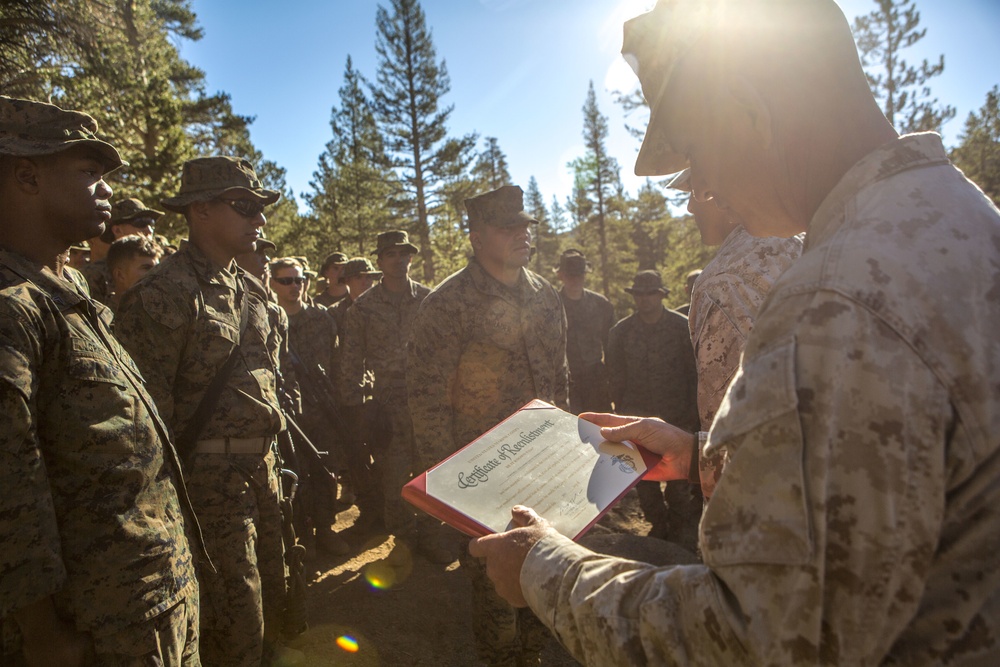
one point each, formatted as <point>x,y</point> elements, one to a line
<point>186,441</point>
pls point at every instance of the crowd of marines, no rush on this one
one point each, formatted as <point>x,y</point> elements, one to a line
<point>179,426</point>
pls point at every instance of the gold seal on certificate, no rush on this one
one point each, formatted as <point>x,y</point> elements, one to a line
<point>542,457</point>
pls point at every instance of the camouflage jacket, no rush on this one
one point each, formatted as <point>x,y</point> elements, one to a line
<point>89,512</point>
<point>324,299</point>
<point>98,280</point>
<point>588,321</point>
<point>312,337</point>
<point>478,351</point>
<point>652,371</point>
<point>857,521</point>
<point>724,304</point>
<point>377,328</point>
<point>180,322</point>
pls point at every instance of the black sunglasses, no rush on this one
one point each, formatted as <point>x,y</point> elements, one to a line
<point>246,208</point>
<point>296,280</point>
<point>139,223</point>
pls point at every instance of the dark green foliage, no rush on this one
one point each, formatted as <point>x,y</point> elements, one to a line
<point>978,151</point>
<point>900,88</point>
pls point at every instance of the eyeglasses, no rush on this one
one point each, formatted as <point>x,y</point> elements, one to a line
<point>296,280</point>
<point>245,208</point>
<point>139,223</point>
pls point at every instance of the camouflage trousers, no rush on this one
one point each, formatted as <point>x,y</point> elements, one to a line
<point>674,511</point>
<point>505,636</point>
<point>588,390</point>
<point>394,464</point>
<point>236,498</point>
<point>170,638</point>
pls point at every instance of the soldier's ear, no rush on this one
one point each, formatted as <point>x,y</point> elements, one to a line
<point>199,210</point>
<point>25,172</point>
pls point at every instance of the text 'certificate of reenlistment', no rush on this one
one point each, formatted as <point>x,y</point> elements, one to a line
<point>541,457</point>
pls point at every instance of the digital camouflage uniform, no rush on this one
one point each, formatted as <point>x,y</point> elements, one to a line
<point>653,374</point>
<point>98,280</point>
<point>377,329</point>
<point>89,513</point>
<point>857,519</point>
<point>180,322</point>
<point>312,341</point>
<point>478,351</point>
<point>588,321</point>
<point>327,300</point>
<point>724,304</point>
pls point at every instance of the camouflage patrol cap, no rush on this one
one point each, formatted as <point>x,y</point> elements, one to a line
<point>573,262</point>
<point>206,178</point>
<point>396,238</point>
<point>654,43</point>
<point>264,245</point>
<point>35,128</point>
<point>331,259</point>
<point>503,207</point>
<point>359,266</point>
<point>130,209</point>
<point>647,282</point>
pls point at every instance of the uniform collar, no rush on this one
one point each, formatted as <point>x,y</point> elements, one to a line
<point>208,271</point>
<point>912,151</point>
<point>527,283</point>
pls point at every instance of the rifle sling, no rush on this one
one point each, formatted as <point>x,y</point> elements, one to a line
<point>187,440</point>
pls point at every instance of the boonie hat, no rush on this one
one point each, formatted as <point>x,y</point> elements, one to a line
<point>396,238</point>
<point>359,266</point>
<point>647,282</point>
<point>572,262</point>
<point>331,259</point>
<point>503,207</point>
<point>205,178</point>
<point>36,128</point>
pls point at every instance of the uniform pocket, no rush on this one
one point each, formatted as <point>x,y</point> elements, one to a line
<point>759,512</point>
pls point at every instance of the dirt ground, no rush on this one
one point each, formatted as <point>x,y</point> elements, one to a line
<point>359,616</point>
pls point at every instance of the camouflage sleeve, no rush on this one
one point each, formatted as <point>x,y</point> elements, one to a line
<point>352,357</point>
<point>819,538</point>
<point>150,326</point>
<point>433,354</point>
<point>31,564</point>
<point>607,321</point>
<point>616,366</point>
<point>718,334</point>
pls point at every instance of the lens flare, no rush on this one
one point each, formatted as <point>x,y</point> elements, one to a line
<point>347,643</point>
<point>380,575</point>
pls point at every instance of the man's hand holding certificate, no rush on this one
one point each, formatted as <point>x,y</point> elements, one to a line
<point>541,457</point>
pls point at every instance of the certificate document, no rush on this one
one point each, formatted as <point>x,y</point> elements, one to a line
<point>541,457</point>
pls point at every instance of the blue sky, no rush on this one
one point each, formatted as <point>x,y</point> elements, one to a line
<point>519,71</point>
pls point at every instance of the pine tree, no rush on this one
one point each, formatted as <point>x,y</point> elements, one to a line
<point>978,151</point>
<point>491,166</point>
<point>546,240</point>
<point>597,178</point>
<point>901,89</point>
<point>410,84</point>
<point>354,189</point>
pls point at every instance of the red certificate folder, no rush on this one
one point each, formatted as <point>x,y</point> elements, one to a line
<point>521,447</point>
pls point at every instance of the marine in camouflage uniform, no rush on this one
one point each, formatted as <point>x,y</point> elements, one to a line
<point>589,318</point>
<point>91,523</point>
<point>857,520</point>
<point>373,372</point>
<point>180,322</point>
<point>358,276</point>
<point>653,374</point>
<point>128,216</point>
<point>480,348</point>
<point>724,302</point>
<point>331,270</point>
<point>312,343</point>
